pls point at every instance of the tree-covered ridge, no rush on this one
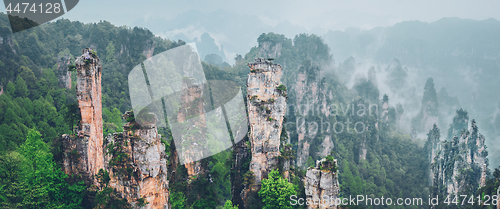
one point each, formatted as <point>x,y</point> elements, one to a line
<point>460,54</point>
<point>458,163</point>
<point>380,161</point>
<point>29,71</point>
<point>32,97</point>
<point>394,166</point>
<point>383,161</point>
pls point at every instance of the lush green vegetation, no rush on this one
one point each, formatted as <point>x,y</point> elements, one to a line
<point>30,178</point>
<point>35,111</point>
<point>276,191</point>
<point>34,98</point>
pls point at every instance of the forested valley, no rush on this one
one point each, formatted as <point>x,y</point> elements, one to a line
<point>376,154</point>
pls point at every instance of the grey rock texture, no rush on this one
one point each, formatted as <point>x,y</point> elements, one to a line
<point>241,155</point>
<point>143,172</point>
<point>266,110</point>
<point>135,159</point>
<point>64,76</point>
<point>466,152</point>
<point>323,186</point>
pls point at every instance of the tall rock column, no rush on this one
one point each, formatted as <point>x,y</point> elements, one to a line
<point>266,110</point>
<point>84,150</point>
<point>192,99</point>
<point>88,94</point>
<point>322,184</point>
<point>137,164</point>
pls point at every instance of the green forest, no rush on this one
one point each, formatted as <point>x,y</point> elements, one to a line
<point>36,109</point>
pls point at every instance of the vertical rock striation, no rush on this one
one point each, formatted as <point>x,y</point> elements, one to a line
<point>458,164</point>
<point>88,93</point>
<point>429,113</point>
<point>84,152</point>
<point>270,49</point>
<point>241,155</point>
<point>64,75</point>
<point>136,162</point>
<point>483,176</point>
<point>266,110</point>
<point>192,98</point>
<point>312,103</point>
<point>322,185</point>
<point>135,159</point>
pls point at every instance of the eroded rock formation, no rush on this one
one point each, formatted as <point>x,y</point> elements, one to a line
<point>266,104</point>
<point>64,75</point>
<point>84,152</point>
<point>270,49</point>
<point>88,93</point>
<point>482,182</point>
<point>312,101</point>
<point>192,97</point>
<point>458,164</point>
<point>134,159</point>
<point>322,185</point>
<point>241,155</point>
<point>137,165</point>
<point>429,113</point>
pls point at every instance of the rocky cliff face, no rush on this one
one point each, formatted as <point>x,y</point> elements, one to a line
<point>269,49</point>
<point>312,89</point>
<point>88,93</point>
<point>458,164</point>
<point>312,101</point>
<point>135,159</point>
<point>64,76</point>
<point>137,165</point>
<point>84,152</point>
<point>266,104</point>
<point>192,97</point>
<point>322,185</point>
<point>429,113</point>
<point>241,155</point>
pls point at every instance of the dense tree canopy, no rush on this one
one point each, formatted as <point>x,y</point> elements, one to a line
<point>276,191</point>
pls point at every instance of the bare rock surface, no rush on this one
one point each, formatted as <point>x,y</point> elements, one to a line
<point>322,186</point>
<point>266,110</point>
<point>64,75</point>
<point>469,153</point>
<point>84,152</point>
<point>135,159</point>
<point>143,172</point>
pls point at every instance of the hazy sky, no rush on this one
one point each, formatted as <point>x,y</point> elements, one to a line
<point>328,14</point>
